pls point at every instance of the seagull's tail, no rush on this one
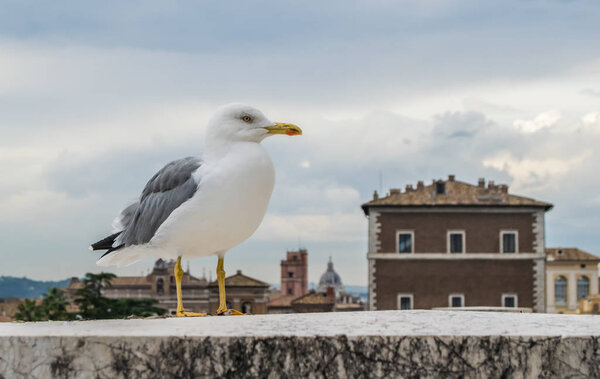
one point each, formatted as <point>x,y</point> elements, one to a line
<point>123,257</point>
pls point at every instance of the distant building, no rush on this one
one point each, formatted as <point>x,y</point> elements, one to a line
<point>315,302</point>
<point>9,306</point>
<point>294,273</point>
<point>590,305</point>
<point>197,292</point>
<point>244,293</point>
<point>571,276</point>
<point>329,297</point>
<point>453,244</point>
<point>330,279</point>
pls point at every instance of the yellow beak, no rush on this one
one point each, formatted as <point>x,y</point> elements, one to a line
<point>283,128</point>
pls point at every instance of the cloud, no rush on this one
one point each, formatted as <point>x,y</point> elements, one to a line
<point>541,121</point>
<point>592,120</point>
<point>590,92</point>
<point>94,101</point>
<point>311,228</point>
<point>527,172</point>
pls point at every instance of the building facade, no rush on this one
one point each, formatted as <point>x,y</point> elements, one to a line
<point>294,273</point>
<point>244,294</point>
<point>571,276</point>
<point>453,244</point>
<point>199,295</point>
<point>328,297</point>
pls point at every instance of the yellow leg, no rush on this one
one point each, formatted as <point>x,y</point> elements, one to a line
<point>178,275</point>
<point>222,298</point>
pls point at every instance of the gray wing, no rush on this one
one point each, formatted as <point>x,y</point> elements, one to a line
<point>170,187</point>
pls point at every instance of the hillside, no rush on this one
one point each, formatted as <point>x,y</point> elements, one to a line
<point>23,287</point>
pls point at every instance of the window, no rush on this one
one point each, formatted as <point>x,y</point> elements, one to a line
<point>456,241</point>
<point>583,287</point>
<point>160,286</point>
<point>508,242</point>
<point>405,242</point>
<point>290,291</point>
<point>560,290</point>
<point>456,300</point>
<point>290,274</point>
<point>509,300</point>
<point>405,301</point>
<point>246,307</point>
<point>440,188</point>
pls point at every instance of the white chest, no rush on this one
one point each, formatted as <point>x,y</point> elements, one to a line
<point>231,201</point>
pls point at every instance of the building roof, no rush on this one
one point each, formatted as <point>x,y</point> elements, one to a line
<point>241,280</point>
<point>453,193</point>
<point>569,254</point>
<point>282,301</point>
<point>330,278</point>
<point>313,298</point>
<point>130,280</point>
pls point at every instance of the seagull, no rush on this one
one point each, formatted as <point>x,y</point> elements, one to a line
<point>201,207</point>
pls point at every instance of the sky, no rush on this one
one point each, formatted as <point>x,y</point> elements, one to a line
<point>96,97</point>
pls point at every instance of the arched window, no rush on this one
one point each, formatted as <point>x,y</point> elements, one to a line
<point>560,290</point>
<point>583,287</point>
<point>246,307</point>
<point>160,286</point>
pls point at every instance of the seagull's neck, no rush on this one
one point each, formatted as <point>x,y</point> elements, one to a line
<point>217,149</point>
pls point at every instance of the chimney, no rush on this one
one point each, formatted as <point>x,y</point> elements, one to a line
<point>331,293</point>
<point>409,188</point>
<point>450,178</point>
<point>420,185</point>
<point>491,185</point>
<point>375,195</point>
<point>481,183</point>
<point>238,272</point>
<point>503,188</point>
<point>395,191</point>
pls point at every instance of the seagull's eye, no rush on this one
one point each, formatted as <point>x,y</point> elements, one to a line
<point>246,118</point>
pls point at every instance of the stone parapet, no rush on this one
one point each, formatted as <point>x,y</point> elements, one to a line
<point>363,344</point>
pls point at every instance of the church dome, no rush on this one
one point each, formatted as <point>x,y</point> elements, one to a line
<point>330,278</point>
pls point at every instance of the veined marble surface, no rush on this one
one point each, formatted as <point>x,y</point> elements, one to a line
<point>381,323</point>
<point>423,344</point>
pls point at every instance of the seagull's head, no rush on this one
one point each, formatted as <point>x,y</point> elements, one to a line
<point>240,122</point>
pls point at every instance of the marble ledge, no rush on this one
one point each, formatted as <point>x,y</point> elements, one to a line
<point>361,344</point>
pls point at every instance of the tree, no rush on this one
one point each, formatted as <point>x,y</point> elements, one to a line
<point>92,305</point>
<point>122,308</point>
<point>29,311</point>
<point>54,305</point>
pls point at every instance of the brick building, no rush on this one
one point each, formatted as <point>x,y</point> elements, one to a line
<point>455,244</point>
<point>294,273</point>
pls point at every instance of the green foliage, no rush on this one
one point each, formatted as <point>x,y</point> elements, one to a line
<point>137,307</point>
<point>55,305</point>
<point>29,311</point>
<point>92,305</point>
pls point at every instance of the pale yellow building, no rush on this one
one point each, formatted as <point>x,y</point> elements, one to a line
<point>571,275</point>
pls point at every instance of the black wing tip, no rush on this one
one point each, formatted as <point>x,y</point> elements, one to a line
<point>105,243</point>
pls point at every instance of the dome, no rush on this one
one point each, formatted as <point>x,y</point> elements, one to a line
<point>330,279</point>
